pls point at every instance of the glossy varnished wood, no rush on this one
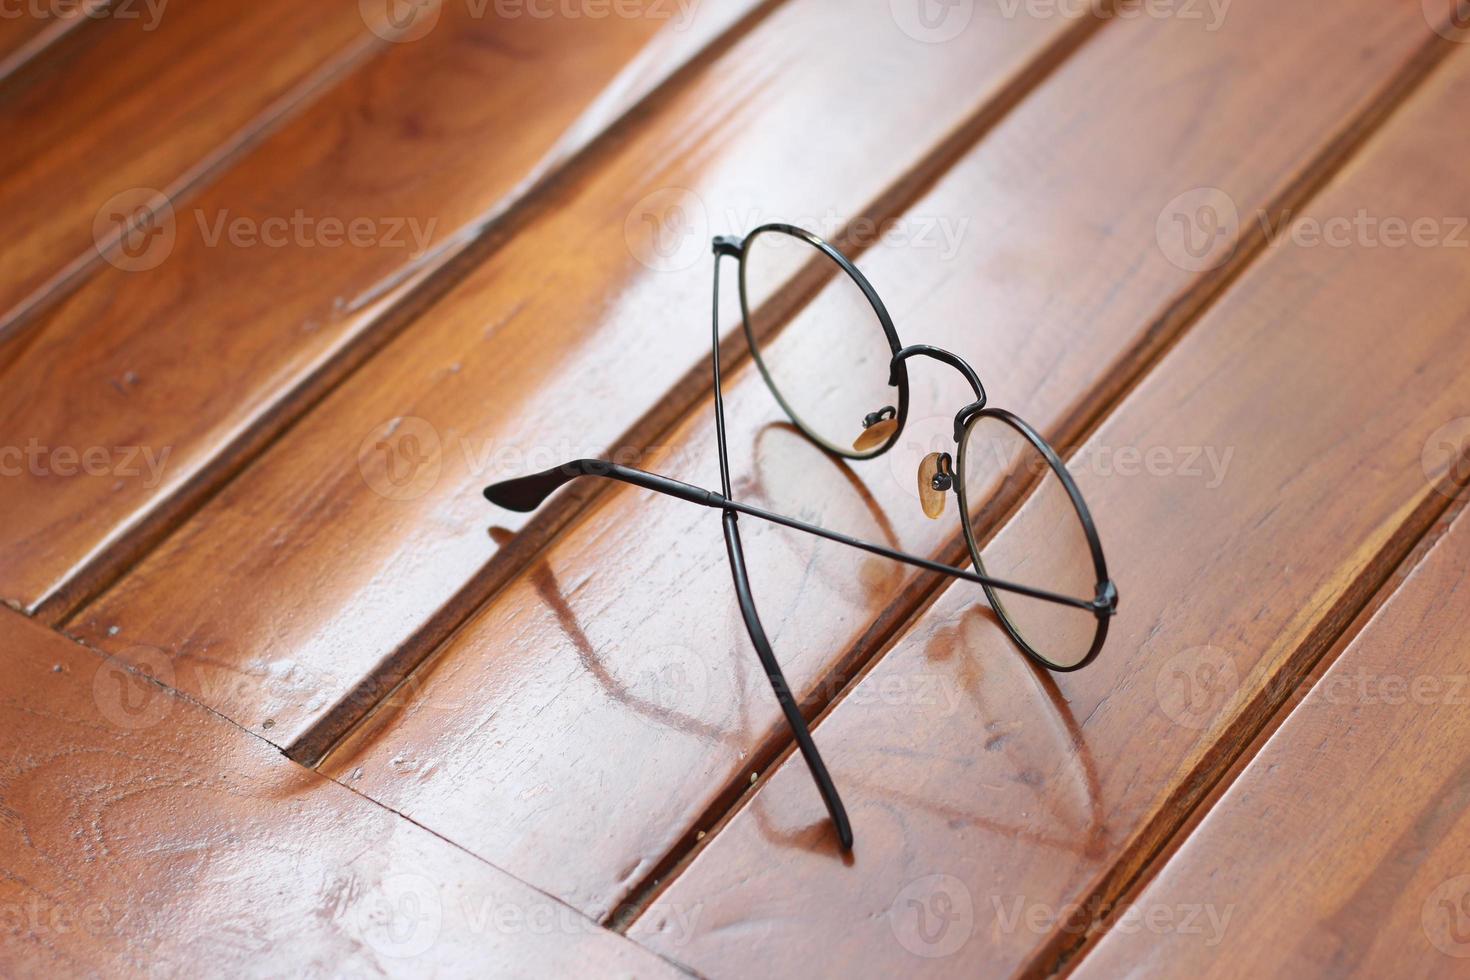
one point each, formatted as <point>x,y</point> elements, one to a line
<point>17,33</point>
<point>610,693</point>
<point>1342,850</point>
<point>27,31</point>
<point>207,354</point>
<point>143,835</point>
<point>989,824</point>
<point>147,96</point>
<point>556,346</point>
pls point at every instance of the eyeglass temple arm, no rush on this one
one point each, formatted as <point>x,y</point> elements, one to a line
<point>526,493</point>
<point>800,730</point>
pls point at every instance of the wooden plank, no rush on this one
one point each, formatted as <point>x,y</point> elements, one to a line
<point>187,82</point>
<point>142,834</point>
<point>558,343</point>
<point>1024,802</point>
<point>420,147</point>
<point>617,672</point>
<point>1342,848</point>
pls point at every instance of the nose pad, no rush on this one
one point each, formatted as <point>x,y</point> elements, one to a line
<point>935,477</point>
<point>878,428</point>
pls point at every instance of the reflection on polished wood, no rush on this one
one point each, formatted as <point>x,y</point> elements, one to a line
<point>646,576</point>
<point>1231,589</point>
<point>553,348</point>
<point>552,726</point>
<point>423,144</point>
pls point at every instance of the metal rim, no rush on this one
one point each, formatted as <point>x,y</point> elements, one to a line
<point>1089,530</point>
<point>884,320</point>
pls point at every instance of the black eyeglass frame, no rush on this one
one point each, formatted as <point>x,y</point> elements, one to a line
<point>898,371</point>
<point>964,419</point>
<point>528,492</point>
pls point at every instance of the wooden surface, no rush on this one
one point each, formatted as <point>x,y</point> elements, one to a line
<point>1030,796</point>
<point>678,685</point>
<point>1338,848</point>
<point>496,373</point>
<point>134,106</point>
<point>422,145</point>
<point>1216,257</point>
<point>143,835</point>
<point>28,30</point>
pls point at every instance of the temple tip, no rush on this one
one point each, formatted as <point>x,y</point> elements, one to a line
<point>522,495</point>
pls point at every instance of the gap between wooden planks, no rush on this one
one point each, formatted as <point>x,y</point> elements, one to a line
<point>1272,367</point>
<point>585,625</point>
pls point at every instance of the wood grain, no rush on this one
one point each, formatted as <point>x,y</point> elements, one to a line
<point>162,93</point>
<point>196,360</point>
<point>992,826</point>
<point>141,834</point>
<point>1342,849</point>
<point>610,693</point>
<point>558,344</point>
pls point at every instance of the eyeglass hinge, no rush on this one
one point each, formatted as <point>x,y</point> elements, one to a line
<point>728,245</point>
<point>1107,599</point>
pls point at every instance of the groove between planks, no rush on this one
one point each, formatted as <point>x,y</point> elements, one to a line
<point>273,793</point>
<point>1400,833</point>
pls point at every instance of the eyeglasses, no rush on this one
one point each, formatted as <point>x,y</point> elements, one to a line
<point>828,350</point>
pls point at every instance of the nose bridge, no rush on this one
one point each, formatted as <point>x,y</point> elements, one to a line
<point>954,361</point>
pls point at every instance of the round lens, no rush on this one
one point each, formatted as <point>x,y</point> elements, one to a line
<point>1044,543</point>
<point>820,343</point>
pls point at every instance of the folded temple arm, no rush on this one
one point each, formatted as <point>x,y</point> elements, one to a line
<point>526,493</point>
